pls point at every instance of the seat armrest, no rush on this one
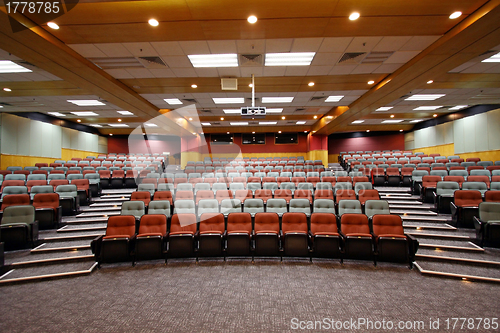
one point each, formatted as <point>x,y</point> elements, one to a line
<point>453,208</point>
<point>34,231</point>
<point>95,245</point>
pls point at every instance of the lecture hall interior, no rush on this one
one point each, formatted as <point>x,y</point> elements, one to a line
<point>249,166</point>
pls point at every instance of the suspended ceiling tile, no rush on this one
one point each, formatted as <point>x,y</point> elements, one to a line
<point>194,47</point>
<point>306,44</point>
<point>278,45</point>
<point>387,68</point>
<point>274,71</point>
<point>222,46</point>
<point>342,69</point>
<point>167,48</point>
<point>253,46</point>
<point>141,49</point>
<point>184,72</point>
<point>296,70</point>
<point>248,71</point>
<point>319,70</point>
<point>206,72</point>
<point>322,58</point>
<point>365,68</point>
<point>401,57</point>
<point>119,73</point>
<point>88,50</point>
<point>159,72</point>
<point>363,44</point>
<point>229,71</point>
<point>391,43</point>
<point>177,61</point>
<point>114,49</point>
<point>335,44</point>
<point>140,73</point>
<point>417,43</point>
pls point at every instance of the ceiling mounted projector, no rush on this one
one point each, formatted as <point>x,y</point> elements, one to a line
<point>253,111</point>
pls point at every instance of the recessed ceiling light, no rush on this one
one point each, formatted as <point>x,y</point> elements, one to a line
<point>95,125</point>
<point>173,101</point>
<point>334,98</point>
<point>371,82</point>
<point>279,132</point>
<point>228,111</point>
<point>53,25</point>
<point>227,132</point>
<point>430,81</point>
<point>283,118</point>
<point>289,59</point>
<point>231,100</point>
<point>239,123</point>
<point>214,60</point>
<point>153,22</point>
<point>86,102</point>
<point>84,113</point>
<point>78,120</point>
<point>7,66</point>
<point>253,132</point>
<point>401,130</point>
<point>190,119</point>
<point>329,117</point>
<point>252,19</point>
<point>435,115</point>
<point>416,121</point>
<point>7,89</point>
<point>206,124</point>
<point>384,108</point>
<point>118,125</point>
<point>150,125</point>
<point>110,134</point>
<point>310,84</point>
<point>315,117</point>
<point>427,108</point>
<point>354,16</point>
<point>221,118</point>
<point>125,113</point>
<point>455,15</point>
<point>392,116</point>
<point>268,122</point>
<point>276,110</point>
<point>458,107</point>
<point>194,133</point>
<point>358,122</point>
<point>119,120</point>
<point>367,131</point>
<point>424,97</point>
<point>277,99</point>
<point>194,86</point>
<point>392,121</point>
<point>305,131</point>
<point>301,122</point>
<point>493,58</point>
<point>57,114</point>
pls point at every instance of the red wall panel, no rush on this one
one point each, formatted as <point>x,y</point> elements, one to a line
<point>122,145</point>
<point>365,143</point>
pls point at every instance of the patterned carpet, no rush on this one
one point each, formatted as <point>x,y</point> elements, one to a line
<point>238,296</point>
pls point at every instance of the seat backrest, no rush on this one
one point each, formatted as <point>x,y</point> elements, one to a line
<point>324,206</point>
<point>184,206</point>
<point>489,211</point>
<point>228,206</point>
<point>37,177</point>
<point>342,186</point>
<point>482,172</point>
<point>323,222</point>
<point>467,198</point>
<point>354,224</point>
<point>276,205</point>
<point>492,196</point>
<point>300,205</point>
<point>212,222</point>
<point>387,224</point>
<point>14,190</point>
<point>294,222</point>
<point>184,186</point>
<point>362,186</point>
<point>446,187</point>
<point>266,222</point>
<point>18,214</point>
<point>184,195</point>
<point>135,208</point>
<point>253,206</point>
<point>46,200</point>
<point>153,223</point>
<point>15,200</point>
<point>183,222</point>
<point>470,185</point>
<point>121,225</point>
<point>373,207</point>
<point>349,206</point>
<point>323,194</point>
<point>238,221</point>
<point>204,194</point>
<point>208,205</point>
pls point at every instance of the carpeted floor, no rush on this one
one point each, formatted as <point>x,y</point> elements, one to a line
<point>238,296</point>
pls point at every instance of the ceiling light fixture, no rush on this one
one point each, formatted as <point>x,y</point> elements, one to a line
<point>125,113</point>
<point>315,117</point>
<point>384,108</point>
<point>7,66</point>
<point>289,59</point>
<point>435,115</point>
<point>194,86</point>
<point>7,89</point>
<point>190,119</point>
<point>392,116</point>
<point>53,25</point>
<point>239,123</point>
<point>358,122</point>
<point>86,102</point>
<point>371,82</point>
<point>305,131</point>
<point>214,60</point>
<point>392,121</point>
<point>415,121</point>
<point>427,108</point>
<point>430,81</point>
<point>268,122</point>
<point>329,117</point>
<point>354,16</point>
<point>118,125</point>
<point>277,99</point>
<point>310,84</point>
<point>206,124</point>
<point>283,118</point>
<point>424,97</point>
<point>230,100</point>
<point>401,130</point>
<point>250,85</point>
<point>110,134</point>
<point>173,101</point>
<point>84,113</point>
<point>95,125</point>
<point>253,132</point>
<point>455,15</point>
<point>334,98</point>
<point>221,118</point>
<point>458,107</point>
<point>493,58</point>
<point>367,131</point>
<point>301,122</point>
<point>57,114</point>
<point>119,120</point>
<point>252,19</point>
<point>279,132</point>
<point>150,125</point>
<point>277,110</point>
<point>227,132</point>
<point>228,111</point>
<point>153,22</point>
<point>79,120</point>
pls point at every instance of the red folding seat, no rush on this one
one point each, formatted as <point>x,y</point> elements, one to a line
<point>223,194</point>
<point>82,187</point>
<point>268,180</point>
<point>15,200</point>
<point>358,241</point>
<point>129,181</point>
<point>210,180</point>
<point>164,195</point>
<point>492,196</point>
<point>359,179</point>
<point>324,236</point>
<point>143,196</point>
<point>211,235</point>
<point>321,194</point>
<point>393,176</point>
<point>283,180</point>
<point>283,194</point>
<point>329,179</point>
<point>22,172</point>
<point>490,168</point>
<point>31,183</point>
<point>115,245</point>
<point>295,235</point>
<point>86,172</point>
<point>474,167</point>
<point>105,176</point>
<point>153,181</point>
<point>457,168</point>
<point>225,180</point>
<point>144,173</point>
<point>344,179</point>
<point>378,176</point>
<point>48,212</point>
<point>313,180</point>
<point>56,182</point>
<point>195,181</point>
<point>240,180</point>
<point>72,172</point>
<point>303,194</point>
<point>5,172</point>
<point>457,160</point>
<point>495,178</point>
<point>179,181</point>
<point>117,179</point>
<point>458,179</point>
<point>428,169</point>
<point>181,236</point>
<point>184,195</point>
<point>368,195</point>
<point>238,234</point>
<point>204,194</point>
<point>40,172</point>
<point>464,207</point>
<point>263,194</point>
<point>345,195</point>
<point>78,159</point>
<point>55,165</point>
<point>150,240</point>
<point>243,194</point>
<point>484,179</point>
<point>41,165</point>
<point>57,172</point>
<point>473,159</point>
<point>428,187</point>
<point>266,234</point>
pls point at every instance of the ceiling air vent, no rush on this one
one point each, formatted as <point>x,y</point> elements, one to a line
<point>352,58</point>
<point>205,111</point>
<point>376,57</point>
<point>25,63</point>
<point>215,124</point>
<point>291,122</point>
<point>151,62</point>
<point>253,123</point>
<point>229,84</point>
<point>299,109</point>
<point>117,62</point>
<point>317,98</point>
<point>190,100</point>
<point>251,60</point>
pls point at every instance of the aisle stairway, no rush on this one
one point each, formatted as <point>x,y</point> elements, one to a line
<point>65,252</point>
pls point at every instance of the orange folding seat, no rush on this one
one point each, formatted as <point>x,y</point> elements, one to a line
<point>211,235</point>
<point>31,183</point>
<point>195,181</point>
<point>474,167</point>
<point>358,241</point>
<point>117,179</point>
<point>144,196</point>
<point>184,195</point>
<point>266,234</point>
<point>464,207</point>
<point>56,182</point>
<point>458,179</point>
<point>238,234</point>
<point>303,194</point>
<point>295,235</point>
<point>283,194</point>
<point>222,194</point>
<point>484,179</point>
<point>73,172</point>
<point>263,194</point>
<point>473,159</point>
<point>41,165</point>
<point>243,194</point>
<point>492,196</point>
<point>325,236</point>
<point>428,187</point>
<point>82,187</point>
<point>153,181</point>
<point>22,172</point>
<point>368,195</point>
<point>313,180</point>
<point>179,181</point>
<point>254,180</point>
<point>150,240</point>
<point>329,179</point>
<point>204,194</point>
<point>393,176</point>
<point>321,194</point>
<point>377,176</point>
<point>344,179</point>
<point>181,236</point>
<point>345,195</point>
<point>359,179</point>
<point>457,168</point>
<point>48,212</point>
<point>15,200</point>
<point>210,180</point>
<point>129,181</point>
<point>40,172</point>
<point>298,180</point>
<point>105,176</point>
<point>115,245</point>
<point>490,168</point>
<point>282,180</point>
<point>240,180</point>
<point>495,178</point>
<point>164,195</point>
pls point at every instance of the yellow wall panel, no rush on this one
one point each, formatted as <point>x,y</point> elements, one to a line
<point>24,161</point>
<point>319,155</point>
<point>443,150</point>
<point>189,156</point>
<point>333,158</point>
<point>68,154</point>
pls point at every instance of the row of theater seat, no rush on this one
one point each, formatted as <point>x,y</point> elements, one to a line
<point>355,236</point>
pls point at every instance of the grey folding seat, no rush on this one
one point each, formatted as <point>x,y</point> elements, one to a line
<point>497,162</point>
<point>361,186</point>
<point>14,168</point>
<point>30,168</point>
<point>300,206</point>
<point>416,179</point>
<point>305,186</point>
<point>288,186</point>
<point>68,198</point>
<point>233,174</point>
<point>312,174</point>
<point>481,173</point>
<point>479,186</point>
<point>353,174</point>
<point>41,189</point>
<point>159,207</point>
<point>286,174</point>
<point>199,187</point>
<point>15,177</point>
<point>299,174</point>
<point>273,174</point>
<point>324,186</point>
<point>155,175</point>
<point>323,206</point>
<point>270,186</point>
<point>135,208</point>
<point>74,176</point>
<point>487,225</point>
<point>326,174</point>
<point>434,165</point>
<point>253,206</point>
<point>62,168</point>
<point>277,206</point>
<point>228,206</point>
<point>184,207</point>
<point>484,163</point>
<point>14,190</point>
<point>495,186</point>
<point>246,174</point>
<point>495,173</point>
<point>236,186</point>
<point>467,164</point>
<point>77,169</point>
<point>147,187</point>
<point>207,175</point>
<point>18,227</point>
<point>441,173</point>
<point>48,169</point>
<point>254,186</point>
<point>444,195</point>
<point>343,186</point>
<point>349,207</point>
<point>208,206</point>
<point>36,177</point>
<point>219,186</point>
<point>341,174</point>
<point>373,207</point>
<point>185,187</point>
<point>167,175</point>
<point>462,173</point>
<point>53,176</point>
<point>423,165</point>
